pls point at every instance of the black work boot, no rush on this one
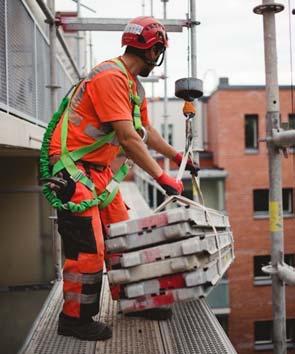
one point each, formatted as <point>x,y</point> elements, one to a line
<point>156,314</point>
<point>83,329</point>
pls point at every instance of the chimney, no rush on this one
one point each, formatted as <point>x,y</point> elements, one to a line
<point>223,82</point>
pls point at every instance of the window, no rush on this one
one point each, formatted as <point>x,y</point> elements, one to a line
<point>260,201</point>
<point>290,259</point>
<point>259,262</point>
<point>263,334</point>
<point>261,278</point>
<point>223,320</point>
<point>291,121</point>
<point>169,133</point>
<point>290,331</point>
<point>288,201</point>
<point>213,190</point>
<point>251,132</point>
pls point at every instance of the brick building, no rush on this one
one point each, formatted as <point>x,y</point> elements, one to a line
<point>234,119</point>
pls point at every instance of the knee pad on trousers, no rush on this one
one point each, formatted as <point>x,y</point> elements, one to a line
<point>92,308</point>
<point>77,234</point>
<point>85,302</point>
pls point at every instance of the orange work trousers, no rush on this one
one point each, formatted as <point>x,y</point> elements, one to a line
<point>83,243</point>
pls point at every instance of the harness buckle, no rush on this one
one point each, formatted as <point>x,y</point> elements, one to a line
<point>77,176</point>
<point>129,163</point>
<point>113,185</point>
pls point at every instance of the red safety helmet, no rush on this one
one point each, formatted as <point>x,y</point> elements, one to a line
<point>144,32</point>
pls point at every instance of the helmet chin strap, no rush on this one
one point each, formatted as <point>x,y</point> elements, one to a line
<point>152,62</point>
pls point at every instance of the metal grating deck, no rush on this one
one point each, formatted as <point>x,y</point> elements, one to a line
<point>43,338</point>
<point>193,329</point>
<point>130,335</point>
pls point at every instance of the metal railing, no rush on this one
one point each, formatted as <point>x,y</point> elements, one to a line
<point>151,191</point>
<point>24,65</point>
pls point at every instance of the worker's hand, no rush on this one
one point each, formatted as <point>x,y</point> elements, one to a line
<point>62,184</point>
<point>190,165</point>
<point>55,183</point>
<point>171,185</point>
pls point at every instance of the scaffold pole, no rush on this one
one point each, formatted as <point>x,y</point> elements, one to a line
<point>193,53</point>
<point>268,10</point>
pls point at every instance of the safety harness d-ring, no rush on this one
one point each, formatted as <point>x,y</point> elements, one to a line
<point>143,134</point>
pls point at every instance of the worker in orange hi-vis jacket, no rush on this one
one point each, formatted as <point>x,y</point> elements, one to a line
<point>101,103</point>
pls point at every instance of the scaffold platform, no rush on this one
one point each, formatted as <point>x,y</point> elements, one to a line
<point>193,328</point>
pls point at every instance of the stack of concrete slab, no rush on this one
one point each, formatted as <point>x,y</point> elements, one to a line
<point>174,255</point>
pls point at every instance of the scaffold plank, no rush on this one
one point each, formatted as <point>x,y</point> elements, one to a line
<point>154,237</point>
<point>181,248</point>
<point>166,298</point>
<point>157,269</point>
<point>165,267</point>
<point>210,274</point>
<point>195,216</point>
<point>70,24</point>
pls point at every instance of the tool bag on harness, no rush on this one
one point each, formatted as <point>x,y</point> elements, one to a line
<point>68,159</point>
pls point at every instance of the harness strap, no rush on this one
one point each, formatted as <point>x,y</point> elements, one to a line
<point>78,154</point>
<point>134,98</point>
<point>68,159</point>
<point>113,187</point>
<point>65,158</point>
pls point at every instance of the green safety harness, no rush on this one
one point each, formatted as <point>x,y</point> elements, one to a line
<point>68,159</point>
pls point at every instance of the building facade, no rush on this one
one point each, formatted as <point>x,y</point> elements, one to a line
<point>234,178</point>
<point>25,101</point>
<point>235,117</point>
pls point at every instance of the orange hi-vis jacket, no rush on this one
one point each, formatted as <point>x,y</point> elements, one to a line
<point>101,98</point>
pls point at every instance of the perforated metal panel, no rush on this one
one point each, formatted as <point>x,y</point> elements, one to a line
<point>3,76</point>
<point>63,81</point>
<point>43,78</point>
<point>21,63</point>
<point>194,329</point>
<point>130,335</point>
<point>67,83</point>
<point>24,64</point>
<point>45,339</point>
